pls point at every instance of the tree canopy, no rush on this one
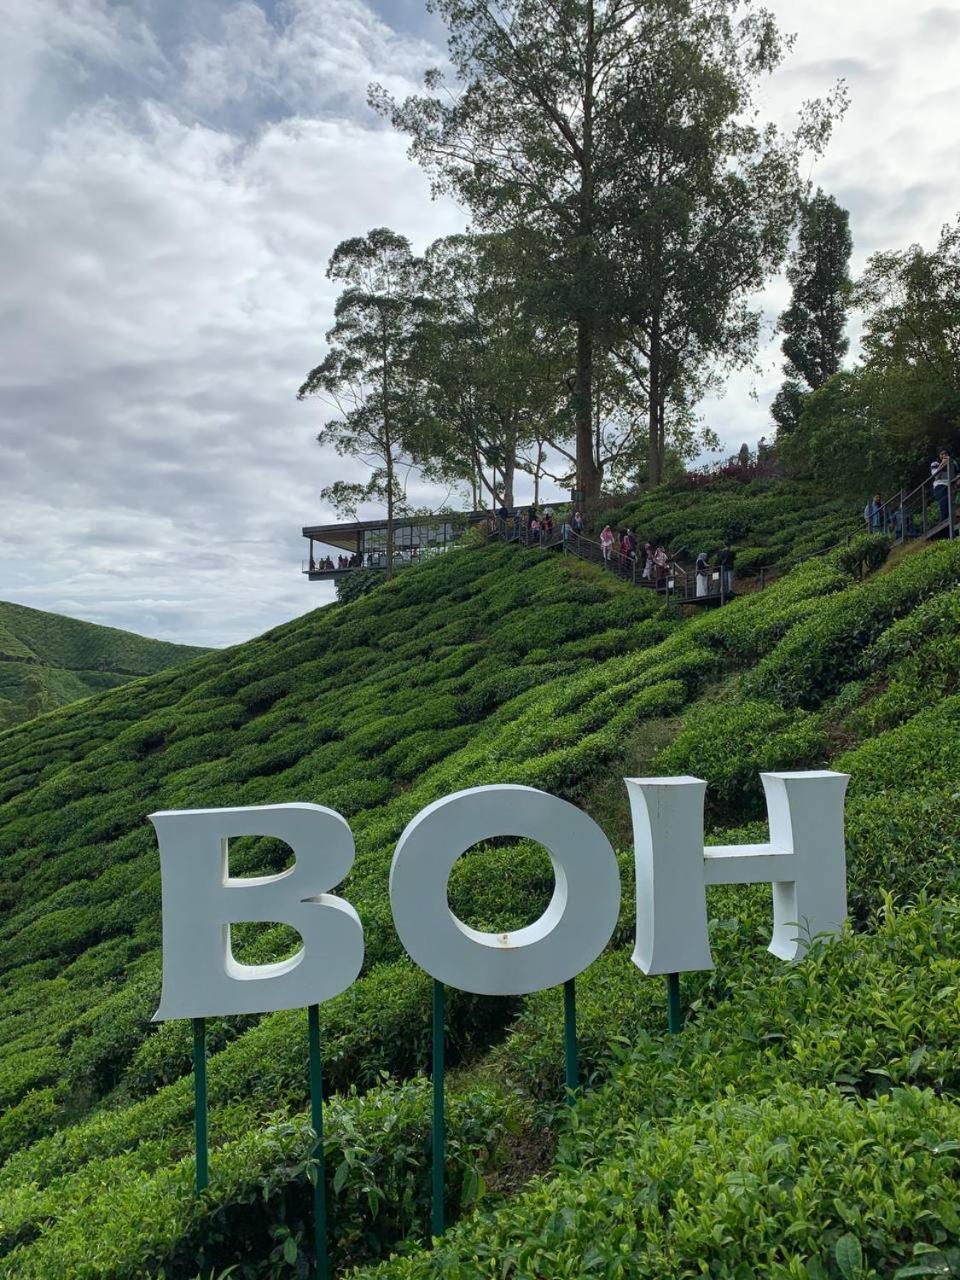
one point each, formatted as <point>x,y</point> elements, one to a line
<point>366,375</point>
<point>615,139</point>
<point>815,322</point>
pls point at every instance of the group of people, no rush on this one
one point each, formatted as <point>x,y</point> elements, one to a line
<point>891,518</point>
<point>655,563</point>
<point>725,562</point>
<point>325,563</point>
<point>537,526</point>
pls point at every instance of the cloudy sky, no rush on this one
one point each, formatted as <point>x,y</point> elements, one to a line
<point>174,175</point>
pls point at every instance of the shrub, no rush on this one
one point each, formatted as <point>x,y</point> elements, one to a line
<point>863,555</point>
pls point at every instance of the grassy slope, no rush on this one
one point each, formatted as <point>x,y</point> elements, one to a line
<point>489,665</point>
<point>47,660</point>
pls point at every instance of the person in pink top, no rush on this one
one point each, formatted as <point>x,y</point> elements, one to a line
<point>606,541</point>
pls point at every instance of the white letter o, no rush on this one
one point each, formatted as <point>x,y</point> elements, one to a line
<point>571,933</point>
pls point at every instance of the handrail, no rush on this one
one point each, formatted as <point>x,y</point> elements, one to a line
<point>625,567</point>
<point>898,515</point>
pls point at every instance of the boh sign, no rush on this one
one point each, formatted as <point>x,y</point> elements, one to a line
<point>804,861</point>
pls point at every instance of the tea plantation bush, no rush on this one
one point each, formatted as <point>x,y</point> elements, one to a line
<point>486,665</point>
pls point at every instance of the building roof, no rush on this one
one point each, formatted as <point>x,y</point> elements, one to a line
<point>322,532</point>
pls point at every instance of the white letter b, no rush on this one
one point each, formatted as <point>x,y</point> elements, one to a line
<point>201,901</point>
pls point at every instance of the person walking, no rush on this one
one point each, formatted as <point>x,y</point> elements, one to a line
<point>577,523</point>
<point>566,532</point>
<point>661,563</point>
<point>647,561</point>
<point>606,542</point>
<point>534,529</point>
<point>703,574</point>
<point>940,470</point>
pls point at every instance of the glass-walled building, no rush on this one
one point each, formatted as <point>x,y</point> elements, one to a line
<point>340,548</point>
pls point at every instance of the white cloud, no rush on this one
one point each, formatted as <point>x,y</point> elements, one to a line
<point>169,290</point>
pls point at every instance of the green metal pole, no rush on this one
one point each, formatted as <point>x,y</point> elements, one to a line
<point>316,1119</point>
<point>200,1101</point>
<point>571,1069</point>
<point>674,1010</point>
<point>438,1120</point>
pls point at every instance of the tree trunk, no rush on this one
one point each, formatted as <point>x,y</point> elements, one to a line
<point>510,466</point>
<point>509,471</point>
<point>388,447</point>
<point>654,448</point>
<point>588,477</point>
<point>389,462</point>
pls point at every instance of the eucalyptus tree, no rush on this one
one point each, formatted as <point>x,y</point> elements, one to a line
<point>525,138</point>
<point>815,322</point>
<point>490,377</point>
<point>366,374</point>
<point>619,133</point>
<point>706,199</point>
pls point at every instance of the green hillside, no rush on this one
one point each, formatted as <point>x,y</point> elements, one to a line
<point>803,1125</point>
<point>47,660</point>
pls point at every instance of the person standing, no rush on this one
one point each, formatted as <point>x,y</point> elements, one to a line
<point>566,531</point>
<point>873,515</point>
<point>703,573</point>
<point>577,523</point>
<point>606,542</point>
<point>940,470</point>
<point>725,561</point>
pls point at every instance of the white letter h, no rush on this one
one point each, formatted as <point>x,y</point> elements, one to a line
<point>804,860</point>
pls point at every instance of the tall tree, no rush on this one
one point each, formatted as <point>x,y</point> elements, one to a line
<point>557,126</point>
<point>523,139</point>
<point>366,376</point>
<point>911,339</point>
<point>815,322</point>
<point>902,402</point>
<point>706,199</point>
<point>489,379</point>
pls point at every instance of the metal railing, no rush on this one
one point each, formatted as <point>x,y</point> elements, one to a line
<point>673,579</point>
<point>928,509</point>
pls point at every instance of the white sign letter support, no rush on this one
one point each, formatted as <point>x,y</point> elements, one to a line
<point>201,978</point>
<point>571,933</point>
<point>804,861</point>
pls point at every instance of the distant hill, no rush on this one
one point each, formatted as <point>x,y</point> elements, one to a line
<point>47,660</point>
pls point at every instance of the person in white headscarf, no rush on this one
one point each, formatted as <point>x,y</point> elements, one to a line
<point>702,573</point>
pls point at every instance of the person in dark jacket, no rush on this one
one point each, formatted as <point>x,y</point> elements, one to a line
<point>725,561</point>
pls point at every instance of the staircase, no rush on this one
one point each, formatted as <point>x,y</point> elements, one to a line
<point>675,583</point>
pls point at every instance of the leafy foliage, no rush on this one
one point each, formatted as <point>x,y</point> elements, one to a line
<point>815,322</point>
